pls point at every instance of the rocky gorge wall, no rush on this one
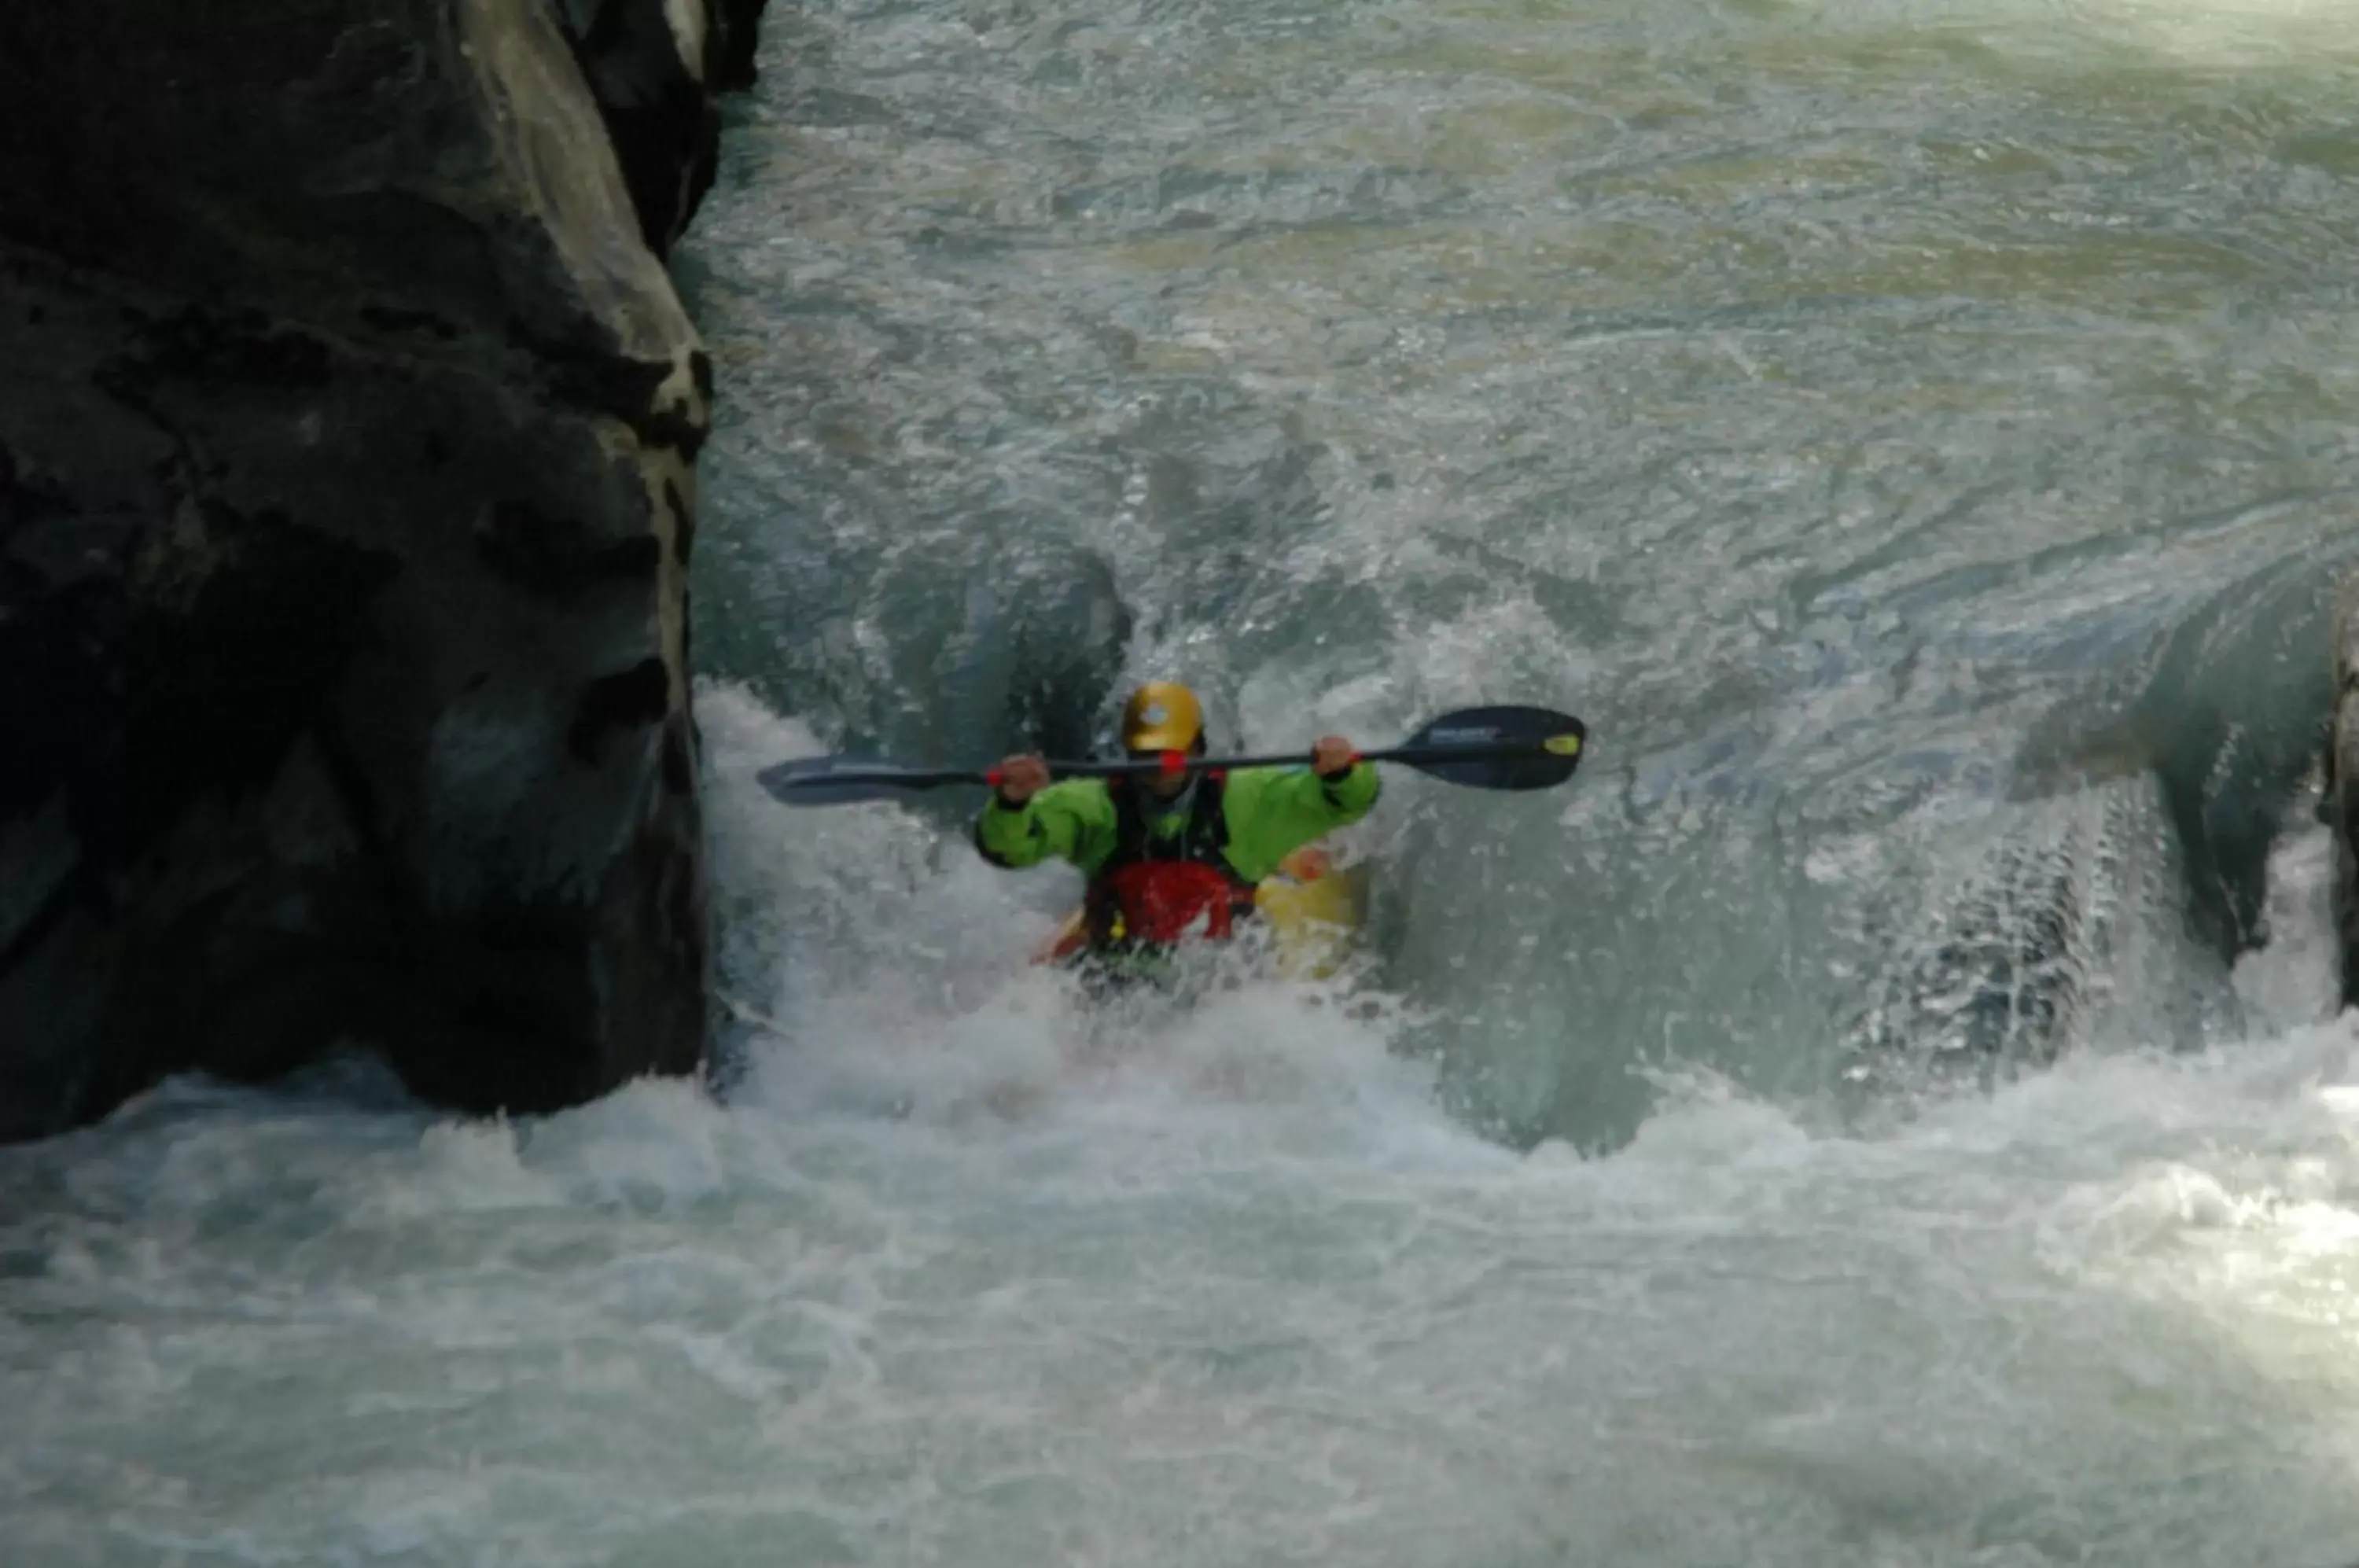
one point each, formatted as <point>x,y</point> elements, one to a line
<point>347,430</point>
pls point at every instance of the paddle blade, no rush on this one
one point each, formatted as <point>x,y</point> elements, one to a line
<point>1505,747</point>
<point>844,780</point>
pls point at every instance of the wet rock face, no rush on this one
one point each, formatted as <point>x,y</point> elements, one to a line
<point>654,67</point>
<point>649,65</point>
<point>736,24</point>
<point>346,431</point>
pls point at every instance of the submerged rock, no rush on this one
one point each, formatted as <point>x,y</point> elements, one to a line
<point>346,496</point>
<point>2225,708</point>
<point>2136,859</point>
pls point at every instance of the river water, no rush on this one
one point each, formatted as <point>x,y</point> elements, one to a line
<point>1919,438</point>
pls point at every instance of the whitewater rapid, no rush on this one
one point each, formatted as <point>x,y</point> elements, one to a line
<point>951,1277</point>
<point>954,1278</point>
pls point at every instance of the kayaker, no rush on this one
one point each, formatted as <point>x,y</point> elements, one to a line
<point>1176,854</point>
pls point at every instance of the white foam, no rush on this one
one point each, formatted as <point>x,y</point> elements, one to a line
<point>2295,978</point>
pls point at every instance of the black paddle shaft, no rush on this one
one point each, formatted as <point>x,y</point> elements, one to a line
<point>1484,748</point>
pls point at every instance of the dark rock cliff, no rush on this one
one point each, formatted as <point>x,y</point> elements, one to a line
<point>347,421</point>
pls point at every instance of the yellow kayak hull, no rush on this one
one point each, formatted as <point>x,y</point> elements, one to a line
<point>1314,909</point>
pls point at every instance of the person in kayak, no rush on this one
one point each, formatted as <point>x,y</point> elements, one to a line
<point>1170,855</point>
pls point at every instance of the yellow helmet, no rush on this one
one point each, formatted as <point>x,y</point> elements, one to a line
<point>1161,716</point>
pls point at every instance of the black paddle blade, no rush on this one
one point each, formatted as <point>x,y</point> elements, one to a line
<point>843,780</point>
<point>1507,747</point>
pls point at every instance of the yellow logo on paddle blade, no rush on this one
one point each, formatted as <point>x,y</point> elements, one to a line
<point>1562,746</point>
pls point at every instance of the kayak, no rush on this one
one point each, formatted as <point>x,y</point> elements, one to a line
<point>1311,907</point>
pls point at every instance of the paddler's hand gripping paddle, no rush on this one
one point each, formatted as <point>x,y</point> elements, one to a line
<point>1483,748</point>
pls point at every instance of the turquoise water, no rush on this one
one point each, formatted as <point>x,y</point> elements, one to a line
<point>1918,439</point>
<point>1864,417</point>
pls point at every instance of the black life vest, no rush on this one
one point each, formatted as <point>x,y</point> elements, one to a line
<point>1151,892</point>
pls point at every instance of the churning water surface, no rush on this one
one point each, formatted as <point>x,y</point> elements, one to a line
<point>1920,438</point>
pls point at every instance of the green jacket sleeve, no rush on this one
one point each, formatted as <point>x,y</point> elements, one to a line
<point>1272,811</point>
<point>1072,820</point>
